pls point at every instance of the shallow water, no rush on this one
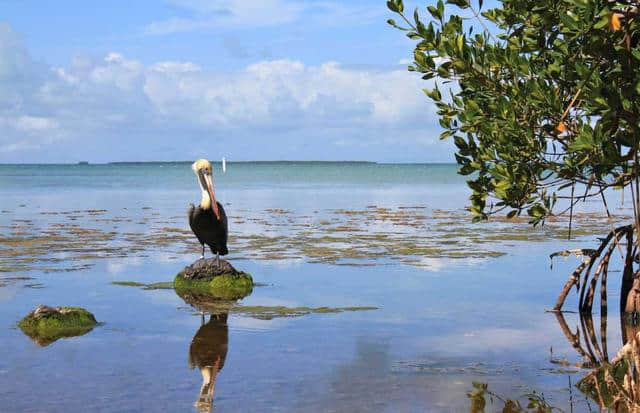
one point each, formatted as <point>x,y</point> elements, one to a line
<point>441,322</point>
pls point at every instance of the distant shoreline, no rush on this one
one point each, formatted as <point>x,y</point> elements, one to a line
<point>86,163</point>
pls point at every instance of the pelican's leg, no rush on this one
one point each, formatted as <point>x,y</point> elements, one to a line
<point>202,256</point>
<point>217,259</point>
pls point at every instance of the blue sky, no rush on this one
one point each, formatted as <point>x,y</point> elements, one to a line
<point>181,79</point>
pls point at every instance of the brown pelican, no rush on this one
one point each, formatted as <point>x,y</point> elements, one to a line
<point>208,220</point>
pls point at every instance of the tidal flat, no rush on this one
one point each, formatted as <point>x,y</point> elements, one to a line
<point>374,291</point>
<point>370,236</point>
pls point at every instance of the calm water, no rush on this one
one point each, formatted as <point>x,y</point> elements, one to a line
<point>435,332</point>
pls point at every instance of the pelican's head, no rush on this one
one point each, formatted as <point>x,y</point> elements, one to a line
<point>203,170</point>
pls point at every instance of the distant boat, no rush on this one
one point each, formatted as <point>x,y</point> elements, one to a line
<point>83,163</point>
<point>224,165</point>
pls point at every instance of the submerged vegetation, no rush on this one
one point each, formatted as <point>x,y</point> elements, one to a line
<point>161,285</point>
<point>481,399</point>
<point>369,236</point>
<point>263,312</point>
<point>213,305</point>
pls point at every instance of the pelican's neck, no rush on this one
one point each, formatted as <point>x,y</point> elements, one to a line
<point>205,203</point>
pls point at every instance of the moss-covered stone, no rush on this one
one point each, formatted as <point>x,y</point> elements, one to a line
<point>44,325</point>
<point>224,287</point>
<point>212,278</point>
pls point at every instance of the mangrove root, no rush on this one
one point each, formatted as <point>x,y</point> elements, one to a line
<point>586,282</point>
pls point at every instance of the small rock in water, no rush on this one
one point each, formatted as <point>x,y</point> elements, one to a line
<point>208,279</point>
<point>47,324</point>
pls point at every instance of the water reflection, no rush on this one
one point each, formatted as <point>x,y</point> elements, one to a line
<point>209,346</point>
<point>46,340</point>
<point>587,345</point>
<point>612,383</point>
<point>208,352</point>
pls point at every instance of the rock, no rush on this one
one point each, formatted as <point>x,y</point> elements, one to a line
<point>207,269</point>
<point>205,279</point>
<point>45,324</point>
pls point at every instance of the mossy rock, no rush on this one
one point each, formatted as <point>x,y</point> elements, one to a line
<point>45,324</point>
<point>208,279</point>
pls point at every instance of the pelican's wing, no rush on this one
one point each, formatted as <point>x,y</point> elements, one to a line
<point>224,221</point>
<point>191,213</point>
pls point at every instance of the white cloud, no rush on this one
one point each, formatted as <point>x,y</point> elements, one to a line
<point>213,13</point>
<point>35,124</point>
<point>210,14</point>
<point>118,100</point>
<point>176,67</point>
<point>288,94</point>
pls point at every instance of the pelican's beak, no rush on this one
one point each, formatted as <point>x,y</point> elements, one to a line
<point>209,181</point>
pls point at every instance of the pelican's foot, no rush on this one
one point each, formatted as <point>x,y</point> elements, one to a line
<point>202,257</point>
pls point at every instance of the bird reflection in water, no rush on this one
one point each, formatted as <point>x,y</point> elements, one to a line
<point>208,352</point>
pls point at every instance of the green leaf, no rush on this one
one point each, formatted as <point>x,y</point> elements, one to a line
<point>460,143</point>
<point>508,90</point>
<point>463,4</point>
<point>460,43</point>
<point>603,22</point>
<point>441,9</point>
<point>433,94</point>
<point>434,12</point>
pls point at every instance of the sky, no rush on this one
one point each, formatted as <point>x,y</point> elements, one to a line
<point>146,80</point>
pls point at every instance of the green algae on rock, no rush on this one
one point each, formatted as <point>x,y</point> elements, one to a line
<point>45,324</point>
<point>223,287</point>
<point>208,278</point>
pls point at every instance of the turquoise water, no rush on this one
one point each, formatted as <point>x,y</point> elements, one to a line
<point>178,175</point>
<point>438,327</point>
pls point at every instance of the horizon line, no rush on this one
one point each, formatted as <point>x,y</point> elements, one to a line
<point>85,163</point>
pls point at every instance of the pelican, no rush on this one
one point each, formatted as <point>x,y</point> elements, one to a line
<point>208,220</point>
